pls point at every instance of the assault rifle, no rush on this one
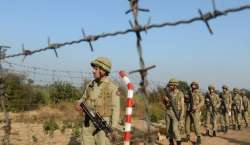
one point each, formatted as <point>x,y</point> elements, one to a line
<point>208,101</point>
<point>235,106</point>
<point>223,104</point>
<point>170,104</point>
<point>98,122</point>
<point>188,99</point>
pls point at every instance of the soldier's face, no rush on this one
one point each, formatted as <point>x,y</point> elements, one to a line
<point>96,72</point>
<point>172,87</point>
<point>211,90</point>
<point>194,87</point>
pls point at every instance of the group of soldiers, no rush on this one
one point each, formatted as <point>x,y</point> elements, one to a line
<point>102,95</point>
<point>186,109</point>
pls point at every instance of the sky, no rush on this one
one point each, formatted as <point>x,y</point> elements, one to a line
<point>185,52</point>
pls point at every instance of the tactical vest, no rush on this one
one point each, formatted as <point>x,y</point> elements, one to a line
<point>100,98</point>
<point>175,98</point>
<point>104,105</point>
<point>226,98</point>
<point>196,98</point>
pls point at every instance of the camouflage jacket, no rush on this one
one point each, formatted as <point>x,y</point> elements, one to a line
<point>177,100</point>
<point>212,101</point>
<point>103,97</point>
<point>245,103</point>
<point>226,98</point>
<point>237,102</point>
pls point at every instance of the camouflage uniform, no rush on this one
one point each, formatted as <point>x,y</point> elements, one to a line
<point>101,96</point>
<point>174,112</point>
<point>212,104</point>
<point>225,107</point>
<point>194,105</point>
<point>236,108</point>
<point>245,107</point>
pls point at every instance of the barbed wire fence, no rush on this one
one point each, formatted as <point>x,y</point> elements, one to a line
<point>136,28</point>
<point>3,99</point>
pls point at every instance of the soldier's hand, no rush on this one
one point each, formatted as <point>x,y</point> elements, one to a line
<point>78,107</point>
<point>194,108</point>
<point>181,124</point>
<point>165,98</point>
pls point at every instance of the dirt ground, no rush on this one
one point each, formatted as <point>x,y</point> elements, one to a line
<point>23,133</point>
<point>231,138</point>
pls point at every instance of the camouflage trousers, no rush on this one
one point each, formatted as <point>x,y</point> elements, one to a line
<point>99,139</point>
<point>244,115</point>
<point>211,118</point>
<point>236,117</point>
<point>172,126</point>
<point>224,119</point>
<point>194,118</point>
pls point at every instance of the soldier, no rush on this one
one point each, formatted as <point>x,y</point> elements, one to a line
<point>101,95</point>
<point>245,107</point>
<point>174,102</point>
<point>194,104</point>
<point>236,108</point>
<point>225,107</point>
<point>212,104</point>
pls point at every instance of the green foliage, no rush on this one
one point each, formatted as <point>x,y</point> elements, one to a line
<point>34,138</point>
<point>157,112</point>
<point>75,126</point>
<point>49,126</point>
<point>184,87</point>
<point>22,95</point>
<point>63,91</point>
<point>156,95</point>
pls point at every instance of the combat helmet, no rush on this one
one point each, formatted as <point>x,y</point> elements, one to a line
<point>211,87</point>
<point>173,81</point>
<point>225,87</point>
<point>195,83</point>
<point>102,62</point>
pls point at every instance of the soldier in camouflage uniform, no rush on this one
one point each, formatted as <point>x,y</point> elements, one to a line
<point>236,108</point>
<point>174,101</point>
<point>225,107</point>
<point>245,107</point>
<point>194,104</point>
<point>212,104</point>
<point>101,95</point>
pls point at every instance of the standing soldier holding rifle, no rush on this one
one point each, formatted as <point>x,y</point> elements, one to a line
<point>236,108</point>
<point>101,105</point>
<point>212,104</point>
<point>194,103</point>
<point>174,102</point>
<point>225,107</point>
<point>245,107</point>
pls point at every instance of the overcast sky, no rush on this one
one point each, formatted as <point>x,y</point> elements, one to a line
<point>186,52</point>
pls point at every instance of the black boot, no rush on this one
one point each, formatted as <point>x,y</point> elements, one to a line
<point>178,142</point>
<point>187,138</point>
<point>234,127</point>
<point>171,141</point>
<point>239,127</point>
<point>226,129</point>
<point>246,125</point>
<point>223,129</point>
<point>214,133</point>
<point>207,132</point>
<point>198,140</point>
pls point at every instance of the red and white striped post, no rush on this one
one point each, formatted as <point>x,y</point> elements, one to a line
<point>128,117</point>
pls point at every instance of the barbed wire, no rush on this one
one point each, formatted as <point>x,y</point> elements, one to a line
<point>135,29</point>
